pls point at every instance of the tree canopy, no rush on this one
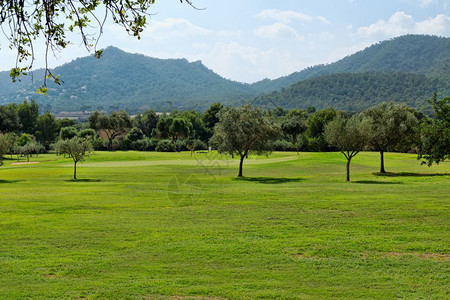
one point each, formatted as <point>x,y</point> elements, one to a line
<point>241,130</point>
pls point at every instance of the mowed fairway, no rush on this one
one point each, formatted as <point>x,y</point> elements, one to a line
<point>171,226</point>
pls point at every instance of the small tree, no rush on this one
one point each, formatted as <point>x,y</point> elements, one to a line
<point>241,130</point>
<point>75,148</point>
<point>348,135</point>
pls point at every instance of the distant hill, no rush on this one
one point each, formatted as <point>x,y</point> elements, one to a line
<point>354,91</point>
<point>406,69</point>
<point>423,54</point>
<point>128,81</point>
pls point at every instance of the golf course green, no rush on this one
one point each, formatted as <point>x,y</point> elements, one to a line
<point>150,225</point>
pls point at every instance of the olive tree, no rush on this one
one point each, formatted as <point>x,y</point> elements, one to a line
<point>76,148</point>
<point>349,136</point>
<point>242,130</point>
<point>391,124</point>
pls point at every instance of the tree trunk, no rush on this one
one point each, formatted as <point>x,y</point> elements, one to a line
<point>348,168</point>
<point>75,170</point>
<point>240,165</point>
<point>382,170</point>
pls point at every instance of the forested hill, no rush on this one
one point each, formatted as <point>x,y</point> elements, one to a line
<point>355,91</point>
<point>423,54</point>
<point>405,69</point>
<point>128,81</point>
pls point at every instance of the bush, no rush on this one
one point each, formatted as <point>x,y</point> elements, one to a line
<point>180,146</point>
<point>283,145</point>
<point>165,146</point>
<point>140,145</point>
<point>67,133</point>
<point>87,133</point>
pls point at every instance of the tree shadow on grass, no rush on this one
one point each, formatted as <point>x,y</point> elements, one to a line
<point>8,181</point>
<point>376,182</point>
<point>83,180</point>
<point>268,180</point>
<point>410,174</point>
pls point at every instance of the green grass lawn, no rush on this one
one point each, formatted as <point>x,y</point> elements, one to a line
<point>171,226</point>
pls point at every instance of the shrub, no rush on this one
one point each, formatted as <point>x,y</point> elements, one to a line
<point>165,146</point>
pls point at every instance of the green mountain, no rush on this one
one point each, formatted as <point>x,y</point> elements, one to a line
<point>406,69</point>
<point>422,54</point>
<point>128,81</point>
<point>355,91</point>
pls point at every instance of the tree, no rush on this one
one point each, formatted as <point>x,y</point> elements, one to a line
<point>53,19</point>
<point>434,144</point>
<point>3,147</point>
<point>66,122</point>
<point>9,119</point>
<point>28,114</point>
<point>210,117</point>
<point>66,133</point>
<point>197,128</point>
<point>316,125</point>
<point>242,130</point>
<point>349,136</point>
<point>76,148</point>
<point>391,125</point>
<point>180,128</point>
<point>162,127</point>
<point>112,125</point>
<point>46,129</point>
<point>146,122</point>
<point>294,123</point>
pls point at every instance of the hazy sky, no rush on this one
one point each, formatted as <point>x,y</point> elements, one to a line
<point>255,39</point>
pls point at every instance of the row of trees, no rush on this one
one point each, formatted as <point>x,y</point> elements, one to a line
<point>386,127</point>
<point>237,130</point>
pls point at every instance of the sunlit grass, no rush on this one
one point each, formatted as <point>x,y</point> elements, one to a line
<point>156,225</point>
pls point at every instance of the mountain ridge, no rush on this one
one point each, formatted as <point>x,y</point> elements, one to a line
<point>121,80</point>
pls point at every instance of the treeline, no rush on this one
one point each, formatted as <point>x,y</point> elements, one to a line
<point>24,131</point>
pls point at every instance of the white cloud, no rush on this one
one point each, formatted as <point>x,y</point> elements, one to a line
<point>277,30</point>
<point>425,3</point>
<point>400,23</point>
<point>287,16</point>
<point>249,64</point>
<point>172,28</point>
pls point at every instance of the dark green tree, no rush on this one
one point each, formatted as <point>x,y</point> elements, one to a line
<point>179,129</point>
<point>9,119</point>
<point>294,123</point>
<point>28,113</point>
<point>46,129</point>
<point>434,144</point>
<point>146,122</point>
<point>66,133</point>
<point>316,126</point>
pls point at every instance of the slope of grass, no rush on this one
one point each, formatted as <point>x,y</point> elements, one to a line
<point>187,228</point>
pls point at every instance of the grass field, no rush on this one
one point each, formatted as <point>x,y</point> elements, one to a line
<point>171,226</point>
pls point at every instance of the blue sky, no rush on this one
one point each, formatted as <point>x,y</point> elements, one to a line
<point>255,39</point>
